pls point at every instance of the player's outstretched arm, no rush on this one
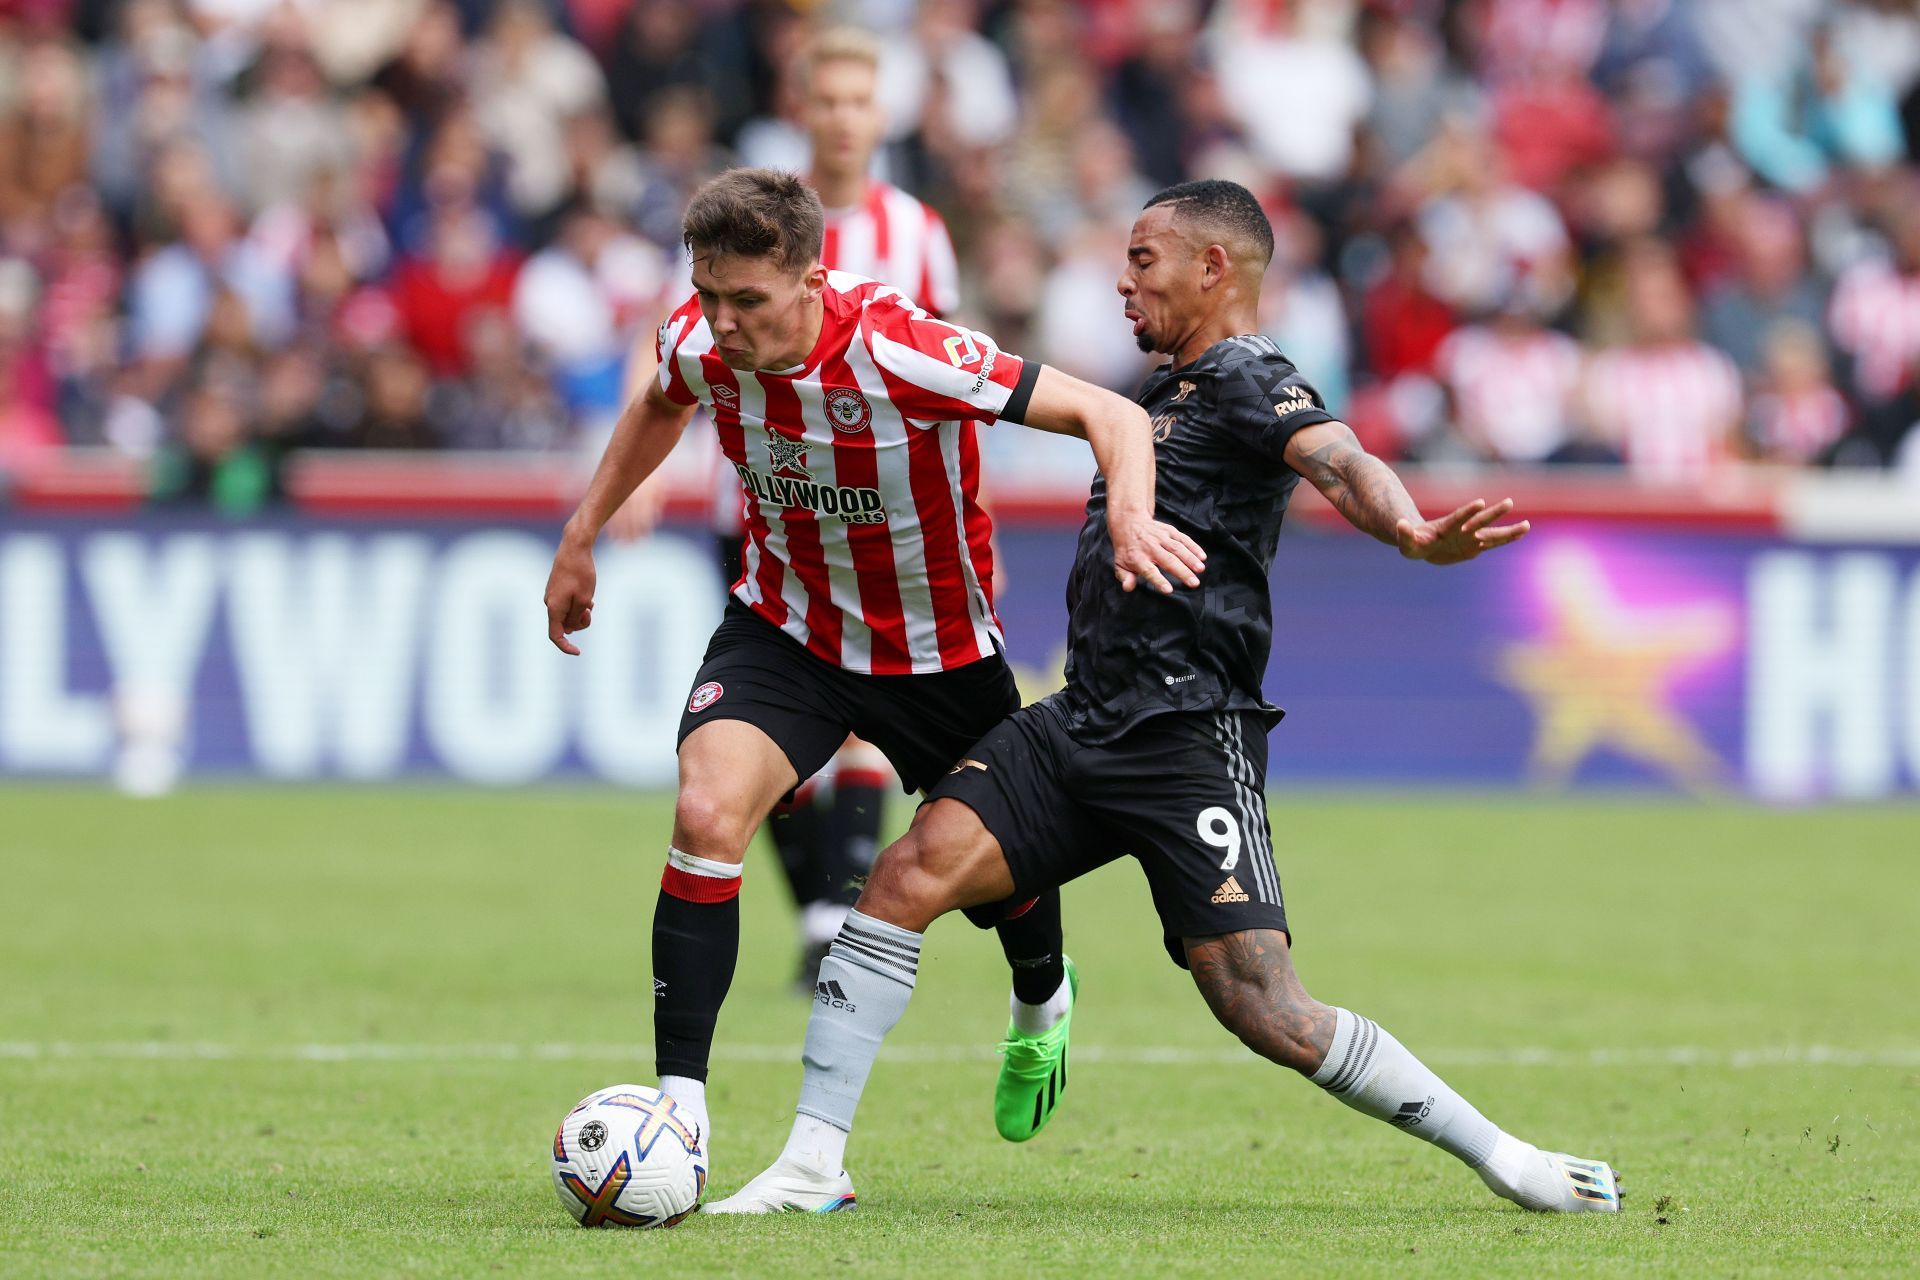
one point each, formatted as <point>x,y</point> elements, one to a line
<point>645,434</point>
<point>1144,549</point>
<point>1367,492</point>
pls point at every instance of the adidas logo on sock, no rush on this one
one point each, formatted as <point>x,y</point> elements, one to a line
<point>1411,1113</point>
<point>829,994</point>
<point>1230,892</point>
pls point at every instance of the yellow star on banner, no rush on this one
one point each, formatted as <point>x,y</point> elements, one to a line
<point>1602,675</point>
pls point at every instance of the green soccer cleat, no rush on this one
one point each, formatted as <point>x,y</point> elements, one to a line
<point>1033,1072</point>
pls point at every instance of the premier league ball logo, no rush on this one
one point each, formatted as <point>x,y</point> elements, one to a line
<point>849,410</point>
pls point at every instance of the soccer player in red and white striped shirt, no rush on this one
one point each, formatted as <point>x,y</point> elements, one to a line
<point>849,415</point>
<point>873,229</point>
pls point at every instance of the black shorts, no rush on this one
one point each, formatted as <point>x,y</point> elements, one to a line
<point>756,673</point>
<point>1183,792</point>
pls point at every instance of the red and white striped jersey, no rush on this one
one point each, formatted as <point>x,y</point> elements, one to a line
<point>891,237</point>
<point>1875,317</point>
<point>1670,409</point>
<point>866,540</point>
<point>1512,392</point>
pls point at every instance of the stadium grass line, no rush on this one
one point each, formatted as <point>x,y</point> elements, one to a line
<point>1130,1055</point>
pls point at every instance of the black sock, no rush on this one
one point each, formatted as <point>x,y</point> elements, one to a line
<point>795,828</point>
<point>852,834</point>
<point>695,945</point>
<point>1032,942</point>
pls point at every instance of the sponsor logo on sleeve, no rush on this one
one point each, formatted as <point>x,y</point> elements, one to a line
<point>962,350</point>
<point>1293,400</point>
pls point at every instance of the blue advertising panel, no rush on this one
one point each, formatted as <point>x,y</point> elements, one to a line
<point>1582,656</point>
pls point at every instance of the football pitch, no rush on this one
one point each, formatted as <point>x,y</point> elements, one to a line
<point>259,1032</point>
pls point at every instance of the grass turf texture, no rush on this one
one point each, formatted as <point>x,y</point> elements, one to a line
<point>249,922</point>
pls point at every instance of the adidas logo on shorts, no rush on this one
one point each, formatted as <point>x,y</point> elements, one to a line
<point>1230,892</point>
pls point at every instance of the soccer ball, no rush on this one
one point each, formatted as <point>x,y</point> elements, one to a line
<point>626,1157</point>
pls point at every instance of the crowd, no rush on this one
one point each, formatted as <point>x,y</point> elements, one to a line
<point>1674,235</point>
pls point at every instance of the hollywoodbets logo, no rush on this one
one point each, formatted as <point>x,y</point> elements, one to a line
<point>1411,1114</point>
<point>829,994</point>
<point>851,504</point>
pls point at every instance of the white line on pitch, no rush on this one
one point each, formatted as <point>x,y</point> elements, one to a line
<point>1120,1055</point>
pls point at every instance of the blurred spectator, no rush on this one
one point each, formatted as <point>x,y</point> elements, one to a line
<point>579,302</point>
<point>1793,128</point>
<point>1799,415</point>
<point>399,411</point>
<point>1668,402</point>
<point>1489,236</point>
<point>947,77</point>
<point>171,293</point>
<point>1875,316</point>
<point>1772,285</point>
<point>290,129</point>
<point>1403,320</point>
<point>1297,90</point>
<point>536,80</point>
<point>43,139</point>
<point>462,273</point>
<point>216,463</point>
<point>28,428</point>
<point>1513,385</point>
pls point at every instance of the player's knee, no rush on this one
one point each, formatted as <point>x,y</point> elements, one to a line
<point>710,824</point>
<point>906,886</point>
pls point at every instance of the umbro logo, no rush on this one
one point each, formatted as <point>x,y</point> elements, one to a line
<point>659,988</point>
<point>1230,892</point>
<point>725,393</point>
<point>829,994</point>
<point>1411,1113</point>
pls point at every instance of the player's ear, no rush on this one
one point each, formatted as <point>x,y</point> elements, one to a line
<point>815,282</point>
<point>1213,267</point>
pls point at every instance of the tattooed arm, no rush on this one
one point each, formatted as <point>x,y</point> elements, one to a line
<point>1367,492</point>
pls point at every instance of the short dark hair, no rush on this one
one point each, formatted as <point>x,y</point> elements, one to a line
<point>1216,205</point>
<point>753,213</point>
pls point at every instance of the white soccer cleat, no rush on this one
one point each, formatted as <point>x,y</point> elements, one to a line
<point>1551,1181</point>
<point>790,1188</point>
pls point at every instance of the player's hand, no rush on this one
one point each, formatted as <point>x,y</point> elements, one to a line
<point>1460,536</point>
<point>1149,551</point>
<point>570,594</point>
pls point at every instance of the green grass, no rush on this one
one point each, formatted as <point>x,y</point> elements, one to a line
<point>251,922</point>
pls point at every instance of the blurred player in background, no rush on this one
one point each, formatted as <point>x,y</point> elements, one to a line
<point>864,603</point>
<point>1157,745</point>
<point>826,835</point>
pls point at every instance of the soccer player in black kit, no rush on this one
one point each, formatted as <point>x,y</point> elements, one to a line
<point>1156,748</point>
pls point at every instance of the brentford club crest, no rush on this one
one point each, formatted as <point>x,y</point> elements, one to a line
<point>849,410</point>
<point>705,696</point>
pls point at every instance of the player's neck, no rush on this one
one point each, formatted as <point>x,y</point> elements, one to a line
<point>840,190</point>
<point>1228,323</point>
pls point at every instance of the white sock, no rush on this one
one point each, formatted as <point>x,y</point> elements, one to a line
<point>1037,1019</point>
<point>814,1144</point>
<point>1373,1073</point>
<point>688,1095</point>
